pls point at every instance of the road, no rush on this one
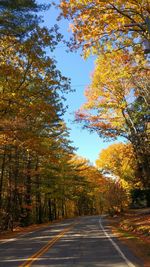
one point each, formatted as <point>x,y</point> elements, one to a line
<point>82,242</point>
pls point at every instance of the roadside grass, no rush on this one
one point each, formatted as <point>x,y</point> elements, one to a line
<point>133,229</point>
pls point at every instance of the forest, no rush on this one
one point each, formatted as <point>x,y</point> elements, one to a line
<point>42,178</point>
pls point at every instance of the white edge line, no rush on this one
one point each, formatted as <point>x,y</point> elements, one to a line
<point>129,263</point>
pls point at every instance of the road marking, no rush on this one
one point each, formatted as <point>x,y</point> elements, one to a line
<point>44,249</point>
<point>128,262</point>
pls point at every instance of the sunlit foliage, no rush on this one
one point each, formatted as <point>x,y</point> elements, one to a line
<point>101,25</point>
<point>119,161</point>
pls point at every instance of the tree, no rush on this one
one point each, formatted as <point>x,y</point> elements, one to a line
<point>101,25</point>
<point>116,107</point>
<point>118,98</point>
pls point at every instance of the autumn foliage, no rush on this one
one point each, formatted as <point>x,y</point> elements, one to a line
<point>100,25</point>
<point>41,177</point>
<point>117,100</point>
<point>119,161</point>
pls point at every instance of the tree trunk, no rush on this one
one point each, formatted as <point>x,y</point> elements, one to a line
<point>55,209</point>
<point>38,196</point>
<point>2,177</point>
<point>28,200</point>
<point>50,210</point>
<point>16,204</point>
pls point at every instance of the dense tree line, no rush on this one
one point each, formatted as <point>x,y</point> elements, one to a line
<point>41,178</point>
<point>33,135</point>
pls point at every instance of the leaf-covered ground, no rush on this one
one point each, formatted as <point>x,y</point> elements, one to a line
<point>133,228</point>
<point>137,223</point>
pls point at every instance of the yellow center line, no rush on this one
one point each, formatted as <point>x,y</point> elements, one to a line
<point>44,249</point>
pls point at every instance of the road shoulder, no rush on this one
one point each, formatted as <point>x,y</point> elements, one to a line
<point>138,243</point>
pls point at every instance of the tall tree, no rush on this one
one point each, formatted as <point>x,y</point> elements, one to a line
<point>116,107</point>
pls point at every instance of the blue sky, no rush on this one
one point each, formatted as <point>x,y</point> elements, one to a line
<point>72,65</point>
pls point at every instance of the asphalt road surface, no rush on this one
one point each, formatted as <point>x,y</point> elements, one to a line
<point>82,242</point>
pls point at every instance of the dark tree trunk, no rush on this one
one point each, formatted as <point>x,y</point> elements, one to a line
<point>50,210</point>
<point>2,177</point>
<point>16,204</point>
<point>38,196</point>
<point>28,200</point>
<point>55,209</point>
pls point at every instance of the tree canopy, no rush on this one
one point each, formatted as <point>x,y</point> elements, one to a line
<point>118,96</point>
<point>100,25</point>
<point>18,18</point>
<point>42,178</point>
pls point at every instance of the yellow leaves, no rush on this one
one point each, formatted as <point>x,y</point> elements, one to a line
<point>94,20</point>
<point>108,93</point>
<point>119,159</point>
